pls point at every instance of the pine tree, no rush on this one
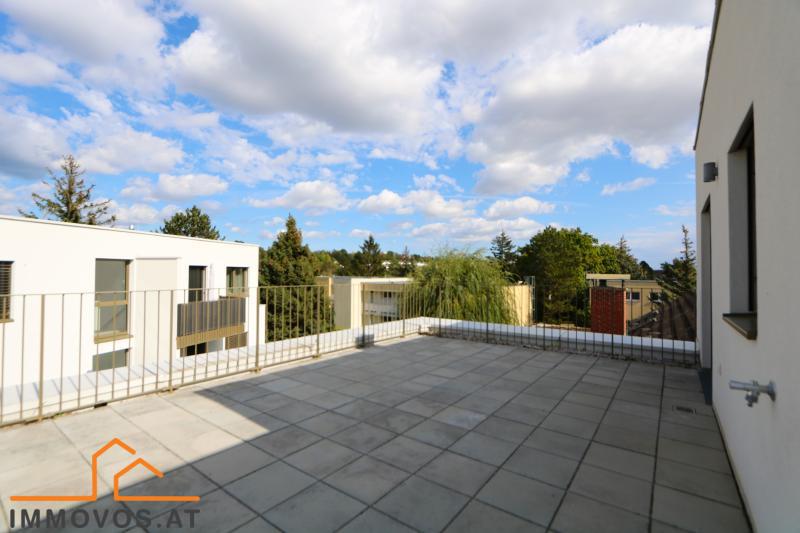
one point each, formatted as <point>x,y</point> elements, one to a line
<point>295,305</point>
<point>72,198</point>
<point>505,253</point>
<point>680,276</point>
<point>191,223</point>
<point>627,262</point>
<point>369,258</point>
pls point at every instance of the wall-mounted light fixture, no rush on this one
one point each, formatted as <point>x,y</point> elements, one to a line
<point>709,172</point>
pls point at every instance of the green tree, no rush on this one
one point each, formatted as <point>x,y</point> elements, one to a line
<point>403,265</point>
<point>191,223</point>
<point>559,259</point>
<point>505,253</point>
<point>325,264</point>
<point>369,258</point>
<point>647,270</point>
<point>72,198</point>
<point>460,285</point>
<point>608,259</point>
<point>346,262</point>
<point>679,276</point>
<point>628,264</point>
<point>296,306</point>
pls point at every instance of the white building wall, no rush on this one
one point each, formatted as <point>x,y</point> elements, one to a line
<point>756,61</point>
<point>348,306</point>
<point>54,263</point>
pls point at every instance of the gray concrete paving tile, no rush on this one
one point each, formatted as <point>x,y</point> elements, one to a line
<point>436,433</point>
<point>360,409</point>
<point>395,420</point>
<point>701,437</point>
<point>363,437</point>
<point>693,513</point>
<point>581,412</point>
<point>296,411</point>
<point>422,406</point>
<point>477,517</point>
<point>372,521</point>
<point>457,416</point>
<point>218,511</point>
<point>233,463</point>
<point>330,399</point>
<point>569,425</point>
<point>265,488</point>
<point>522,496</point>
<point>367,479</point>
<point>322,458</point>
<point>578,514</point>
<point>694,455</point>
<point>698,481</point>
<point>327,423</point>
<point>457,472</point>
<point>626,462</point>
<point>319,508</point>
<point>405,453</point>
<point>422,505</point>
<point>480,403</point>
<point>613,488</point>
<point>484,448</point>
<point>625,438</point>
<point>521,413</point>
<point>557,443</point>
<point>541,465</point>
<point>285,441</point>
<point>257,525</point>
<point>505,429</point>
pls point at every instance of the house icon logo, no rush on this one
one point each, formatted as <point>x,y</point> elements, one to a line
<point>117,496</point>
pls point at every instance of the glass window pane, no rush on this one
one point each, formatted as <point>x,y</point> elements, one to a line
<point>110,279</point>
<point>111,319</point>
<point>108,360</point>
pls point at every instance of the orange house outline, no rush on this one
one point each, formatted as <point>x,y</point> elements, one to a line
<point>117,496</point>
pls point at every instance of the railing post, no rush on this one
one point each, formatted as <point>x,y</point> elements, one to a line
<point>319,323</point>
<point>258,326</point>
<point>171,336</point>
<point>41,360</point>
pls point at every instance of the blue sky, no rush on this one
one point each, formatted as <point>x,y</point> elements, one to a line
<point>426,127</point>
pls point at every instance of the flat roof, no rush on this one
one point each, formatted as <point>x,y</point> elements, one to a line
<point>72,225</point>
<point>608,276</point>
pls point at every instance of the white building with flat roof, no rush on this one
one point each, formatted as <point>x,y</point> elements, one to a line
<point>748,193</point>
<point>76,298</point>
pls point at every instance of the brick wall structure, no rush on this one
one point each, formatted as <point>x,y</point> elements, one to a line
<point>609,313</point>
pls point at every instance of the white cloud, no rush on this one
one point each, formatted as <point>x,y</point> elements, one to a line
<point>138,213</point>
<point>428,202</point>
<point>28,68</point>
<point>524,205</point>
<point>681,209</point>
<point>185,186</point>
<point>319,234</point>
<point>440,181</point>
<point>639,86</point>
<point>275,221</point>
<point>627,186</point>
<point>31,143</point>
<point>315,197</point>
<point>477,230</point>
<point>361,233</point>
<point>130,150</point>
<point>583,176</point>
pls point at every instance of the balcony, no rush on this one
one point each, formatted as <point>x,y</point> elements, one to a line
<point>419,433</point>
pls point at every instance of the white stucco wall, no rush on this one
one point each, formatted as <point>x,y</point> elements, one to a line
<point>347,298</point>
<point>58,260</point>
<point>756,61</point>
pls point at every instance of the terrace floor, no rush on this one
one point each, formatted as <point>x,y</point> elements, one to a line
<point>423,434</point>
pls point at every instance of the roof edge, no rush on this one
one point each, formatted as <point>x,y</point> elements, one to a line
<point>122,230</point>
<point>717,9</point>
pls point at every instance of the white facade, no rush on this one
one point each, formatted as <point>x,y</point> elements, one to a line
<point>753,84</point>
<point>53,268</point>
<point>360,299</point>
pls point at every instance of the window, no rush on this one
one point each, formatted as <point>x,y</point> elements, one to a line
<point>197,282</point>
<point>237,281</point>
<point>5,291</point>
<point>108,360</point>
<point>634,295</point>
<point>111,298</point>
<point>742,228</point>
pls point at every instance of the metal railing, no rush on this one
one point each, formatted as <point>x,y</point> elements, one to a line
<point>55,356</point>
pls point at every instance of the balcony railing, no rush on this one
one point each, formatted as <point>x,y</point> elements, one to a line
<point>52,362</point>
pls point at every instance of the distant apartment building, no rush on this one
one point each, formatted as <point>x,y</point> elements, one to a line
<point>360,301</point>
<point>110,297</point>
<point>747,198</point>
<point>642,296</point>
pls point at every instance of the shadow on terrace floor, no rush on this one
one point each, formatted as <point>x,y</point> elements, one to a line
<point>422,434</point>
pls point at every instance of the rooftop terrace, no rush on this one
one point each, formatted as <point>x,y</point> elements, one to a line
<point>424,434</point>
